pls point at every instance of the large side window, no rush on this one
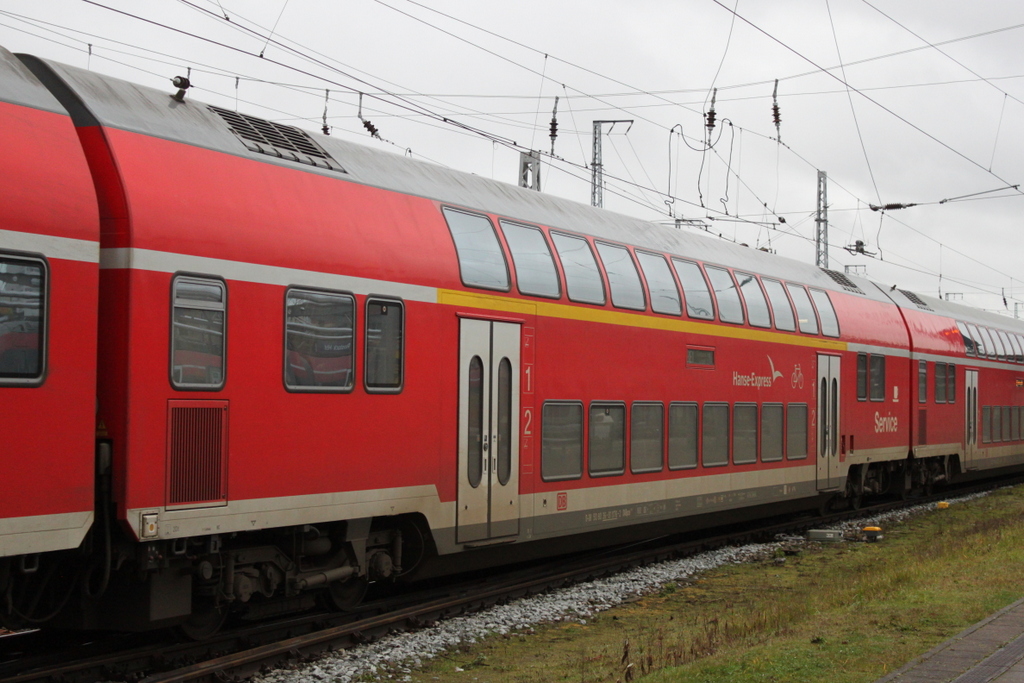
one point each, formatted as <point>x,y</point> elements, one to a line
<point>627,292</point>
<point>695,290</point>
<point>582,278</point>
<point>827,314</point>
<point>804,309</point>
<point>664,295</point>
<point>877,378</point>
<point>753,297</point>
<point>796,431</point>
<point>22,320</point>
<point>561,450</point>
<point>744,433</point>
<point>646,437</point>
<point>197,333</point>
<point>481,261</point>
<point>682,436</point>
<point>730,310</point>
<point>319,329</point>
<point>607,444</point>
<point>783,310</point>
<point>535,267</point>
<point>715,447</point>
<point>385,324</point>
<point>772,435</point>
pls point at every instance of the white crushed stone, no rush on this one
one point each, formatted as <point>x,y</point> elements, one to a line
<point>395,657</point>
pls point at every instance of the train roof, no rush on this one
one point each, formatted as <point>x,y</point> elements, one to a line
<point>103,100</point>
<point>19,86</point>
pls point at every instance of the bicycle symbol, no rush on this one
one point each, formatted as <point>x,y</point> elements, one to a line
<point>798,377</point>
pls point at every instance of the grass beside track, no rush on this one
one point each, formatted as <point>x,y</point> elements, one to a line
<point>847,612</point>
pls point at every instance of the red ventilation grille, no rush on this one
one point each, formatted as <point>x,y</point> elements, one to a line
<point>197,452</point>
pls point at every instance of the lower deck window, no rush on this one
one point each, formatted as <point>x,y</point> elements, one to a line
<point>715,451</point>
<point>561,453</point>
<point>986,424</point>
<point>744,434</point>
<point>22,320</point>
<point>682,436</point>
<point>772,436</point>
<point>606,454</point>
<point>318,340</point>
<point>646,437</point>
<point>796,431</point>
<point>197,333</point>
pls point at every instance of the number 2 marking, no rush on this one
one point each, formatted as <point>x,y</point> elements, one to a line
<point>528,414</point>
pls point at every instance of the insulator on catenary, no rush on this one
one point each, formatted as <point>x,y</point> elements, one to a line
<point>710,116</point>
<point>554,126</point>
<point>776,112</point>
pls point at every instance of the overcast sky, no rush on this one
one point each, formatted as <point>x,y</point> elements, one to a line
<point>899,102</point>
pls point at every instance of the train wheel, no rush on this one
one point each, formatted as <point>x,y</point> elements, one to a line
<point>206,620</point>
<point>346,596</point>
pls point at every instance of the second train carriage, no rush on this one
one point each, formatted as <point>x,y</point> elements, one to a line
<point>320,364</point>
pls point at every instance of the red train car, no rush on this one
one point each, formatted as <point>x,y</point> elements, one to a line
<point>49,272</point>
<point>323,366</point>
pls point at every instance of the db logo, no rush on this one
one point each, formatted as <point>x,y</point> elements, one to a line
<point>562,502</point>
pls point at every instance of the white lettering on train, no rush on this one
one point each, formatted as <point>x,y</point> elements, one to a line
<point>885,423</point>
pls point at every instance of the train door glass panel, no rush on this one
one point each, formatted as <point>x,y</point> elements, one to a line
<point>384,363</point>
<point>582,278</point>
<point>828,467</point>
<point>627,292</point>
<point>922,381</point>
<point>730,310</point>
<point>827,314</point>
<point>753,297</point>
<point>488,439</point>
<point>782,309</point>
<point>804,309</point>
<point>772,436</point>
<point>606,455</point>
<point>646,437</point>
<point>23,291</point>
<point>561,441</point>
<point>660,283</point>
<point>715,445</point>
<point>695,290</point>
<point>319,329</point>
<point>877,378</point>
<point>970,345</point>
<point>796,431</point>
<point>970,413</point>
<point>744,434</point>
<point>197,333</point>
<point>535,267</point>
<point>481,260</point>
<point>682,436</point>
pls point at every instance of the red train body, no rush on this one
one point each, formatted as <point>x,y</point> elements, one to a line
<point>277,367</point>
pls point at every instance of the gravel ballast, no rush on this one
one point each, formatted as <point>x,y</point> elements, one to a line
<point>396,656</point>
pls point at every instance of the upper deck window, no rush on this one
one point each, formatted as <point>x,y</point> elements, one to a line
<point>753,297</point>
<point>197,333</point>
<point>804,309</point>
<point>481,261</point>
<point>22,320</point>
<point>531,257</point>
<point>970,346</point>
<point>664,294</point>
<point>695,290</point>
<point>783,310</point>
<point>827,314</point>
<point>730,310</point>
<point>582,278</point>
<point>979,341</point>
<point>989,345</point>
<point>627,292</point>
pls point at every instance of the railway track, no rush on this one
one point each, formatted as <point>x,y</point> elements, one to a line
<point>242,652</point>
